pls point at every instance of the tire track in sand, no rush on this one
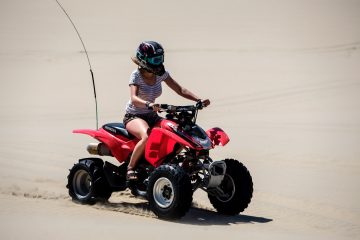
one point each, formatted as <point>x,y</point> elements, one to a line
<point>122,202</point>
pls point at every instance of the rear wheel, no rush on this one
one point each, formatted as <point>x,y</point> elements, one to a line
<point>235,191</point>
<point>169,192</point>
<point>87,183</point>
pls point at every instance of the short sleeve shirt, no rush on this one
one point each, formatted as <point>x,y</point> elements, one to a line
<point>146,92</point>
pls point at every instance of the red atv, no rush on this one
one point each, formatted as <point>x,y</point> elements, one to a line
<point>176,163</point>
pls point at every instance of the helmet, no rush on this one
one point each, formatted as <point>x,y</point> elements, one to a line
<point>150,55</point>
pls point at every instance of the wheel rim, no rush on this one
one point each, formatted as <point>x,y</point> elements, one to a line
<point>82,184</point>
<point>163,192</point>
<point>228,188</point>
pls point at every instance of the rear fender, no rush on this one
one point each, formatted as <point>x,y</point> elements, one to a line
<point>218,136</point>
<point>90,132</point>
<point>120,149</point>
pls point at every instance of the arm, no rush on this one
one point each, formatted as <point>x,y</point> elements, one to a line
<point>183,91</point>
<point>138,102</point>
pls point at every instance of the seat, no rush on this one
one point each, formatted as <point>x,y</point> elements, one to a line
<point>117,129</point>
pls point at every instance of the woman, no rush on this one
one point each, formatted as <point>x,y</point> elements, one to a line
<point>145,87</point>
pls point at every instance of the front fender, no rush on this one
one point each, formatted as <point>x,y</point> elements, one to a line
<point>217,136</point>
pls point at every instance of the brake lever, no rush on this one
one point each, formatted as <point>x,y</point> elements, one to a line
<point>199,104</point>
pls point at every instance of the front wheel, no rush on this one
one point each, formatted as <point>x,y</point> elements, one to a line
<point>235,191</point>
<point>169,192</point>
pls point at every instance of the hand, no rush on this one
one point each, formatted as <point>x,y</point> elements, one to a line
<point>205,102</point>
<point>155,107</point>
<point>200,104</point>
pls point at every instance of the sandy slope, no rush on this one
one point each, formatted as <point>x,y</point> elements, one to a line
<point>283,77</point>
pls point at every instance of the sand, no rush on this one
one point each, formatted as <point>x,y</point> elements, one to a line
<point>284,80</point>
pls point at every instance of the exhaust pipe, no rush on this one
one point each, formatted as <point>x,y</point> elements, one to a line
<point>99,149</point>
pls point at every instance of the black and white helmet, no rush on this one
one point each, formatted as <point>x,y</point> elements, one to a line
<point>150,55</point>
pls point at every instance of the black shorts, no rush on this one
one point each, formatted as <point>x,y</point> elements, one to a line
<point>150,118</point>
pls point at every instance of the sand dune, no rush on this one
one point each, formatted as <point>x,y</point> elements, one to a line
<point>283,77</point>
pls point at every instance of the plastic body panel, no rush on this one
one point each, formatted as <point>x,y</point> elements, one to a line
<point>161,142</point>
<point>218,136</point>
<point>119,146</point>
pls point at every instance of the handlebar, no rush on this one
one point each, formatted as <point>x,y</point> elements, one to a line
<point>184,114</point>
<point>172,108</point>
<point>198,106</point>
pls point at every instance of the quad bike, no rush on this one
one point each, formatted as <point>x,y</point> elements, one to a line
<point>175,164</point>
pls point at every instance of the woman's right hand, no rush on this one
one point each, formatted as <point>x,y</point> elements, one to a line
<point>155,106</point>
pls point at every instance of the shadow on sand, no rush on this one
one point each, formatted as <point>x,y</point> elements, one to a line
<point>199,216</point>
<point>195,216</point>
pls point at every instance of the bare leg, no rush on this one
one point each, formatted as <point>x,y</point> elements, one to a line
<point>139,128</point>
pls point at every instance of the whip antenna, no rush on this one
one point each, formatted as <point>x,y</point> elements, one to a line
<point>88,59</point>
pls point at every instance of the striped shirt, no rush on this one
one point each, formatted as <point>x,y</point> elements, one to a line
<point>146,92</point>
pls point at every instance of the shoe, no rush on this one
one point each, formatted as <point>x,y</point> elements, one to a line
<point>131,175</point>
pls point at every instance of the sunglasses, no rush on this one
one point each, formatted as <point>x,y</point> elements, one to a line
<point>156,60</point>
